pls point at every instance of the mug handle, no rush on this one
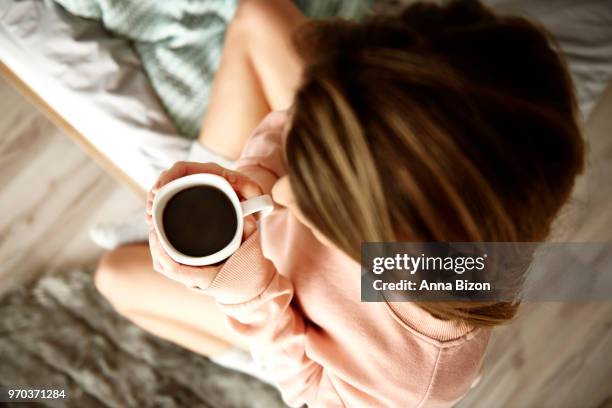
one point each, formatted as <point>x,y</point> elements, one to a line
<point>262,204</point>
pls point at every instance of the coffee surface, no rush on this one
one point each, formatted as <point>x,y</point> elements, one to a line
<point>199,221</point>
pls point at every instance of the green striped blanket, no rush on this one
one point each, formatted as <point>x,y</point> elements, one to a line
<point>180,43</point>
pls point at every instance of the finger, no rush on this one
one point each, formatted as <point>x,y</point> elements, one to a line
<point>183,168</point>
<point>201,276</point>
<point>151,197</point>
<point>191,276</point>
<point>156,186</point>
<point>250,226</point>
<point>149,206</point>
<point>161,260</point>
<point>242,184</point>
<point>246,187</point>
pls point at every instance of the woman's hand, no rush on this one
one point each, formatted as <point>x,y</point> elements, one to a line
<point>195,276</point>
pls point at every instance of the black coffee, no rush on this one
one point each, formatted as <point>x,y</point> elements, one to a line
<point>199,221</point>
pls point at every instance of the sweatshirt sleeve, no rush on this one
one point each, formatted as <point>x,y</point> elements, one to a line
<point>257,301</point>
<point>262,156</point>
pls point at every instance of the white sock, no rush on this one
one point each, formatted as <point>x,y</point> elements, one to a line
<point>199,153</point>
<point>239,360</point>
<point>110,235</point>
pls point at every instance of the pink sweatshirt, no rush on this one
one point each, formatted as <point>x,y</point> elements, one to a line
<point>297,302</point>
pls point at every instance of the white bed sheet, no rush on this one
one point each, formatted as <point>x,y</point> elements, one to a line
<point>92,80</point>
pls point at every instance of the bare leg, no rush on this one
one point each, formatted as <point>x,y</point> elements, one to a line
<point>160,305</point>
<point>259,72</point>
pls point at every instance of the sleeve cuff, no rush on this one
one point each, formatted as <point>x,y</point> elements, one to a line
<point>244,276</point>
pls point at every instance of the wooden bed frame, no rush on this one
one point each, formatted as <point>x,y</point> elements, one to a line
<point>67,128</point>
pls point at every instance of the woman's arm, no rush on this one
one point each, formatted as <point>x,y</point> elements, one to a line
<point>262,157</point>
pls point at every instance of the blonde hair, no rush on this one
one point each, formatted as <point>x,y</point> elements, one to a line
<point>442,123</point>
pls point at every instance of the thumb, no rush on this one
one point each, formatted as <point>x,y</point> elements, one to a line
<point>250,226</point>
<point>242,184</point>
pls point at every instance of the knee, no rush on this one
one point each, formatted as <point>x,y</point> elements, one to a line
<point>110,273</point>
<point>251,12</point>
<point>252,18</point>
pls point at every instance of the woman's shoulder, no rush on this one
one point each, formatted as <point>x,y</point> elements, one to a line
<point>439,332</point>
<point>456,350</point>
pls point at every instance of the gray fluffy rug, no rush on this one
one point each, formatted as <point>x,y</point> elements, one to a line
<point>60,332</point>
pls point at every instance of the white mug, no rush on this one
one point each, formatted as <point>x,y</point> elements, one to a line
<point>262,204</point>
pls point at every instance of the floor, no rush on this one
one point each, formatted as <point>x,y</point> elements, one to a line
<point>50,193</point>
<point>554,355</point>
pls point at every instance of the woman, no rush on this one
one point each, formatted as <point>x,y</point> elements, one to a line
<point>416,127</point>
